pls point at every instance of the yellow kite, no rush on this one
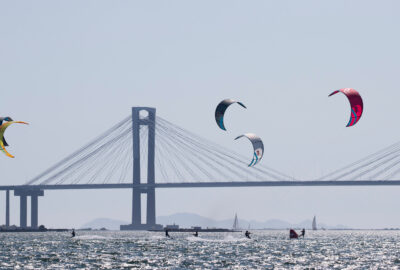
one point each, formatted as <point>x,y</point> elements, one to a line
<point>3,128</point>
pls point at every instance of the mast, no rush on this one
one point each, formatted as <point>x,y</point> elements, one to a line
<point>314,224</point>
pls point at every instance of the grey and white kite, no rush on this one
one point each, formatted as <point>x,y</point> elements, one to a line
<point>257,145</point>
<point>220,111</point>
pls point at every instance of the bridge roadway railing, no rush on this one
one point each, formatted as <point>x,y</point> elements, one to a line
<point>309,183</point>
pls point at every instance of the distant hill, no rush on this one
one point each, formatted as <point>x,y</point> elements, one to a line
<point>187,220</point>
<point>109,224</point>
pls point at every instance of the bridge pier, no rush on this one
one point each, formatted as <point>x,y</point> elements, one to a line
<point>7,208</point>
<point>136,207</point>
<point>23,211</point>
<point>34,211</point>
<point>23,193</point>
<point>151,207</point>
<point>137,122</point>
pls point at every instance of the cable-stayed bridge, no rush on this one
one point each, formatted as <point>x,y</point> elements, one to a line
<point>144,152</point>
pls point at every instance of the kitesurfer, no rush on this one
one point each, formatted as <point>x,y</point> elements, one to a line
<point>303,233</point>
<point>247,234</point>
<point>196,234</point>
<point>73,233</point>
<point>167,234</point>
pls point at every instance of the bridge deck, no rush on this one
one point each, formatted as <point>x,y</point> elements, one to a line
<point>211,185</point>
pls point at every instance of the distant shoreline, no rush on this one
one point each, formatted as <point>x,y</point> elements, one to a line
<point>33,230</point>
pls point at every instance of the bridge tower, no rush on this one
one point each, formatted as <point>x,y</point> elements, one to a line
<point>140,120</point>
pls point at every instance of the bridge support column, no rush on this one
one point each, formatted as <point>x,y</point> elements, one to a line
<point>136,207</point>
<point>151,195</point>
<point>136,197</point>
<point>137,122</point>
<point>34,211</point>
<point>7,208</point>
<point>24,193</point>
<point>151,207</point>
<point>23,211</point>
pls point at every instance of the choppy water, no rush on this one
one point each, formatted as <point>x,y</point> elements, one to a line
<point>267,250</point>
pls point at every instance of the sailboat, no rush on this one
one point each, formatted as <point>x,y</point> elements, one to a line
<point>314,224</point>
<point>235,226</point>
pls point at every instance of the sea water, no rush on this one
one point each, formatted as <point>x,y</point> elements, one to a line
<point>152,250</point>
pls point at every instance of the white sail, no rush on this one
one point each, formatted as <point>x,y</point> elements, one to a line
<point>314,224</point>
<point>235,223</point>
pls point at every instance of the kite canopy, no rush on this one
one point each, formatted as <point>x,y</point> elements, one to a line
<point>356,104</point>
<point>7,118</point>
<point>3,128</point>
<point>220,111</point>
<point>257,145</point>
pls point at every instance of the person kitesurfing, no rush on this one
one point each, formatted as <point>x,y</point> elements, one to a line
<point>73,233</point>
<point>303,232</point>
<point>247,234</point>
<point>167,234</point>
<point>196,234</point>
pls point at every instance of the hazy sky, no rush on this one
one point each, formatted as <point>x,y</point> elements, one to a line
<point>72,69</point>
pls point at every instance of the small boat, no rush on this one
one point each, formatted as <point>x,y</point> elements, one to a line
<point>235,226</point>
<point>314,224</point>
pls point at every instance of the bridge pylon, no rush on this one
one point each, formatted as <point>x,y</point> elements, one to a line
<point>139,120</point>
<point>23,193</point>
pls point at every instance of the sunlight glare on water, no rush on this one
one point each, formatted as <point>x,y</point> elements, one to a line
<point>267,250</point>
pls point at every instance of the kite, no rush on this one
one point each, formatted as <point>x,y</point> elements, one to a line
<point>257,145</point>
<point>3,128</point>
<point>220,111</point>
<point>7,118</point>
<point>356,104</point>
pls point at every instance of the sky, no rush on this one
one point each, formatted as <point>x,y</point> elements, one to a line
<point>72,69</point>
